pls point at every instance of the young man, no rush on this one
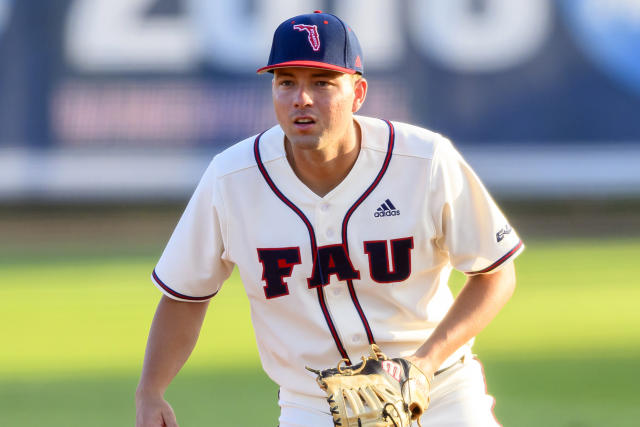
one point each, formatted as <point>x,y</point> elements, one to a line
<point>344,230</point>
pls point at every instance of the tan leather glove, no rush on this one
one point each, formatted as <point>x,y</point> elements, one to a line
<point>378,392</point>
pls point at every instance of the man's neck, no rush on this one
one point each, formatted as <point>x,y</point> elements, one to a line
<point>323,169</point>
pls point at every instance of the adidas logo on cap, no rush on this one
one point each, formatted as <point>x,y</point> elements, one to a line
<point>386,209</point>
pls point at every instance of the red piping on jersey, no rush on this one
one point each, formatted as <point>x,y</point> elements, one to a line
<point>500,261</point>
<point>345,223</point>
<point>312,238</point>
<point>178,294</point>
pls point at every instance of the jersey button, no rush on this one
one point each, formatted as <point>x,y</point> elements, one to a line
<point>324,207</point>
<point>330,233</point>
<point>356,339</point>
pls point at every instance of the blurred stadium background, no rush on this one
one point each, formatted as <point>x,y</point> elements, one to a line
<point>110,110</point>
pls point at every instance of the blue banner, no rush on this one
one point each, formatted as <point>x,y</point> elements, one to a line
<point>181,73</point>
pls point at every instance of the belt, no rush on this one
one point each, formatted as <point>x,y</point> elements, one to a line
<point>443,370</point>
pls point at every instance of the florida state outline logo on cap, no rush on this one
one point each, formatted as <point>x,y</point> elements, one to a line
<point>313,36</point>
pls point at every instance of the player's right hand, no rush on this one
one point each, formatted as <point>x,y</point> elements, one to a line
<point>154,412</point>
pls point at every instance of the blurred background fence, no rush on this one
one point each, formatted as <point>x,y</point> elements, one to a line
<point>112,100</point>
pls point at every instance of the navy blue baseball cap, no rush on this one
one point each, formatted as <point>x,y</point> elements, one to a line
<point>315,40</point>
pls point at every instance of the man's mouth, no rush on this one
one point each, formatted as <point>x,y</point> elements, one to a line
<point>304,121</point>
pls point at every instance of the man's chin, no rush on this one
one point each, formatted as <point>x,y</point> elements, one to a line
<point>304,141</point>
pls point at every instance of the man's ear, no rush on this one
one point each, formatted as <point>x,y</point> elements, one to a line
<point>360,90</point>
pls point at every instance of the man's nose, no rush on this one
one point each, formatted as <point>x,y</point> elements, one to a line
<point>303,97</point>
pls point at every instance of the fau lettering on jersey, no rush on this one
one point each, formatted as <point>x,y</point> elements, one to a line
<point>332,259</point>
<point>382,269</point>
<point>278,263</point>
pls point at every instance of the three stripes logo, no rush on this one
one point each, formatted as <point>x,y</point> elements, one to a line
<point>386,209</point>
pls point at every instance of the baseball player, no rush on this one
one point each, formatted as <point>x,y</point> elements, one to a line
<point>344,230</point>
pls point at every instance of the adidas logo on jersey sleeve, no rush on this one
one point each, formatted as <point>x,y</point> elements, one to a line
<point>386,209</point>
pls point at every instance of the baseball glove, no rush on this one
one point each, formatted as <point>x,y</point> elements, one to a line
<point>378,392</point>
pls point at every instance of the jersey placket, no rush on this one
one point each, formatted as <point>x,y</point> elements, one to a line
<point>329,229</point>
<point>313,246</point>
<point>339,304</point>
<point>348,304</point>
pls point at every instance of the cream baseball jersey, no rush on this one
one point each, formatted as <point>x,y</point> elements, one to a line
<point>325,276</point>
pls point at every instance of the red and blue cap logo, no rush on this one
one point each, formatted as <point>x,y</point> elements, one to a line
<point>315,40</point>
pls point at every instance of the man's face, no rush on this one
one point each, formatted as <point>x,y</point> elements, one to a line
<point>315,107</point>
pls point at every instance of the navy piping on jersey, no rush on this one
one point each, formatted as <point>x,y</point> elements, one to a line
<point>314,248</point>
<point>345,223</point>
<point>312,239</point>
<point>176,293</point>
<point>500,261</point>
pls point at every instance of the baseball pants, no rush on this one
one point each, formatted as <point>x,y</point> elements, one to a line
<point>458,399</point>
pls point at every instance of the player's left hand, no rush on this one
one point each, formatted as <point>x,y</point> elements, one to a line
<point>423,363</point>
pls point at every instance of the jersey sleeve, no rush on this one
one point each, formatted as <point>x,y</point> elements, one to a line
<point>192,266</point>
<point>468,223</point>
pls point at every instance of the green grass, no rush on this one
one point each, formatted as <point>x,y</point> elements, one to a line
<point>564,352</point>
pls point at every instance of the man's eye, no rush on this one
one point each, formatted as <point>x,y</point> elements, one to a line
<point>286,83</point>
<point>322,83</point>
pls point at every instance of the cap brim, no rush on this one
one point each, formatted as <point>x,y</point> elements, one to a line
<point>307,64</point>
